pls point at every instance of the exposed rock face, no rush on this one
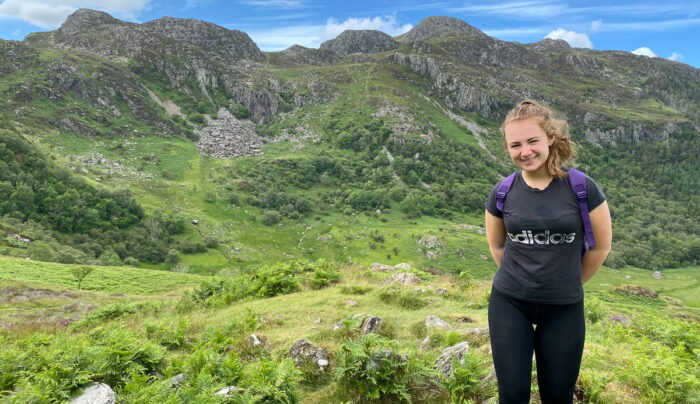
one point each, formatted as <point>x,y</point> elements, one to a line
<point>99,32</point>
<point>304,352</point>
<point>439,27</point>
<point>97,393</point>
<point>360,41</point>
<point>465,96</point>
<point>86,20</point>
<point>550,44</point>
<point>301,55</point>
<point>444,362</point>
<point>366,323</point>
<point>228,137</point>
<point>228,45</point>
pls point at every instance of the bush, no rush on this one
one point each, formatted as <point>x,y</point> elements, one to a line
<point>173,257</point>
<point>270,217</point>
<point>196,117</point>
<point>467,379</point>
<point>407,299</point>
<point>368,369</point>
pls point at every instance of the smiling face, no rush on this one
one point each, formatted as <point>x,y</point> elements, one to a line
<point>528,145</point>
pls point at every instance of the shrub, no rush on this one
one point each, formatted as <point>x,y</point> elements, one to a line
<point>408,299</point>
<point>467,379</point>
<point>173,257</point>
<point>368,369</point>
<point>355,290</point>
<point>592,309</point>
<point>270,217</point>
<point>324,276</point>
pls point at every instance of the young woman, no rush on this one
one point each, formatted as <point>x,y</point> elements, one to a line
<point>536,240</point>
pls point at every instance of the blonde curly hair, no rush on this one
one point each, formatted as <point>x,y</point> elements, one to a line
<point>563,149</point>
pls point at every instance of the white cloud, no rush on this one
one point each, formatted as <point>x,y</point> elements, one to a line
<point>644,51</point>
<point>575,39</point>
<point>311,36</point>
<point>388,25</point>
<point>51,13</point>
<point>281,38</point>
<point>597,25</point>
<point>675,56</point>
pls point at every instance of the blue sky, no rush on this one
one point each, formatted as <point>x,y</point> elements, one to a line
<point>653,28</point>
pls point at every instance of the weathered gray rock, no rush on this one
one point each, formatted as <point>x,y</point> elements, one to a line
<point>436,322</point>
<point>380,267</point>
<point>401,278</point>
<point>431,242</point>
<point>177,380</point>
<point>657,275</point>
<point>301,55</point>
<point>477,332</point>
<point>304,352</point>
<point>360,41</point>
<point>229,390</point>
<point>97,393</point>
<point>439,27</point>
<point>444,363</point>
<point>367,323</point>
<point>229,137</point>
<point>371,324</point>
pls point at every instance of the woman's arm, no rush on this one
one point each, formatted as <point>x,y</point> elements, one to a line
<point>496,236</point>
<point>602,231</point>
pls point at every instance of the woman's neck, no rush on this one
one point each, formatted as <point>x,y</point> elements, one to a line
<point>539,179</point>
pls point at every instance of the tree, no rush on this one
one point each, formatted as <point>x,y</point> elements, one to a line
<point>81,272</point>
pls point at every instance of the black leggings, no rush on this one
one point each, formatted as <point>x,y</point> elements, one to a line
<point>557,341</point>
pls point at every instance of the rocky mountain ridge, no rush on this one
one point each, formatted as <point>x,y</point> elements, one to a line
<point>619,97</point>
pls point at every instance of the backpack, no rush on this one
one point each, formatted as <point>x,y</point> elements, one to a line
<point>577,181</point>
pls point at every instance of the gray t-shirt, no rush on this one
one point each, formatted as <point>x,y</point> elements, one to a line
<point>544,238</point>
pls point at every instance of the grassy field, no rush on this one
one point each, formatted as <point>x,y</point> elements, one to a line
<point>126,280</point>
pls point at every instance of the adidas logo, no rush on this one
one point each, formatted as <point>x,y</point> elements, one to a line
<point>526,237</point>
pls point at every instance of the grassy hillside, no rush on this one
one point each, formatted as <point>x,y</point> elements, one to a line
<point>638,349</point>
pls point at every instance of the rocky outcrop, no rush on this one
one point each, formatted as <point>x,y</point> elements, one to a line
<point>436,322</point>
<point>301,55</point>
<point>439,27</point>
<point>225,44</point>
<point>364,323</point>
<point>101,33</point>
<point>550,44</point>
<point>456,352</point>
<point>401,278</point>
<point>229,137</point>
<point>304,353</point>
<point>598,129</point>
<point>97,393</point>
<point>465,96</point>
<point>360,41</point>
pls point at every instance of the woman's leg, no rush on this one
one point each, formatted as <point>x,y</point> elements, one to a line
<point>559,338</point>
<point>512,343</point>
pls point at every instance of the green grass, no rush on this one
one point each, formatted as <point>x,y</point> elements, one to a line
<point>134,281</point>
<point>680,283</point>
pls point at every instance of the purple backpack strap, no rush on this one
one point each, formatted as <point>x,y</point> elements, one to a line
<point>577,180</point>
<point>503,190</point>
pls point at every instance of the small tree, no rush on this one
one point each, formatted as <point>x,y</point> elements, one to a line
<point>81,272</point>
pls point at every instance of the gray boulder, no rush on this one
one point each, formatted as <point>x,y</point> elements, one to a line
<point>401,278</point>
<point>436,322</point>
<point>444,363</point>
<point>304,352</point>
<point>97,393</point>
